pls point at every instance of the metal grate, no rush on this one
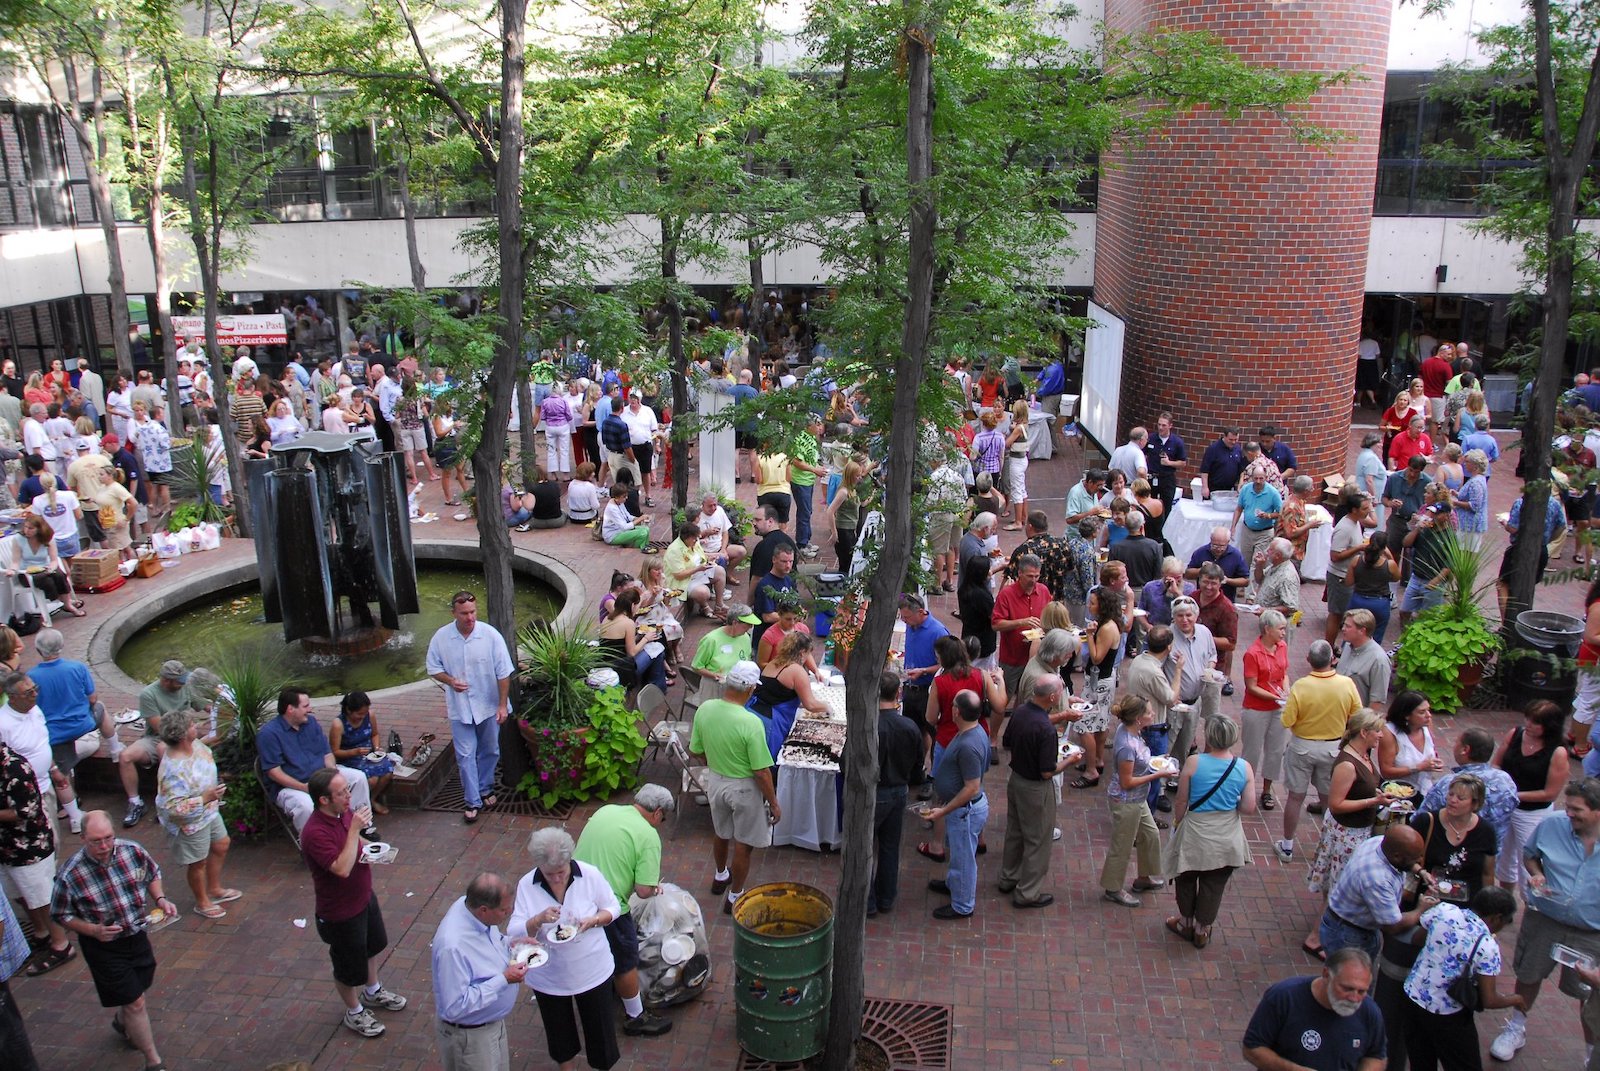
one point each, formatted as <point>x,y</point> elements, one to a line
<point>915,1035</point>
<point>450,796</point>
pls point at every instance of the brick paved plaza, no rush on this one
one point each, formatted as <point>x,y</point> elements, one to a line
<point>1081,984</point>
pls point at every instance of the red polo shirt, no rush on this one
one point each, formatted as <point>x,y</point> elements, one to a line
<point>1012,605</point>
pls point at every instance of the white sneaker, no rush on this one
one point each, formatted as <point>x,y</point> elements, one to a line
<point>1285,850</point>
<point>1055,834</point>
<point>1512,1038</point>
<point>364,1023</point>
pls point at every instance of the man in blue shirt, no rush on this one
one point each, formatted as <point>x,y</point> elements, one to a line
<point>1328,1023</point>
<point>1563,896</point>
<point>1222,463</point>
<point>1083,500</point>
<point>1165,455</point>
<point>16,1053</point>
<point>68,702</point>
<point>477,976</point>
<point>958,782</point>
<point>1555,519</point>
<point>1273,447</point>
<point>292,747</point>
<point>744,432</point>
<point>1225,556</point>
<point>1259,503</point>
<point>922,630</point>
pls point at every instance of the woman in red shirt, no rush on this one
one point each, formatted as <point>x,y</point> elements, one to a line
<point>1587,704</point>
<point>1266,671</point>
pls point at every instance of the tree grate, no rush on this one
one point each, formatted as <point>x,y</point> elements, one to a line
<point>450,796</point>
<point>915,1035</point>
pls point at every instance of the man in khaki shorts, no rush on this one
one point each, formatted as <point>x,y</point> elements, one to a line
<point>739,785</point>
<point>946,497</point>
<point>1319,704</point>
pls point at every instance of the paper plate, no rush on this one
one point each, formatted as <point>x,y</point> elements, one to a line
<point>677,948</point>
<point>128,717</point>
<point>532,955</point>
<point>557,939</point>
<point>375,848</point>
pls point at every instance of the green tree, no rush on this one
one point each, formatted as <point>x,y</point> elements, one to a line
<point>941,141</point>
<point>1545,66</point>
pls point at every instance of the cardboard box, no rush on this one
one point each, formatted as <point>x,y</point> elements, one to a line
<point>91,568</point>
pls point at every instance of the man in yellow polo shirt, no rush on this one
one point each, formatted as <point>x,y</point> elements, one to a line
<point>1319,705</point>
<point>738,779</point>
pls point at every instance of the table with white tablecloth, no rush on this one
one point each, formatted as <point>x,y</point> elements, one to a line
<point>1189,528</point>
<point>809,797</point>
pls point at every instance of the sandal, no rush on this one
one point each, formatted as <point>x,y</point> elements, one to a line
<point>1085,782</point>
<point>470,815</point>
<point>1269,802</point>
<point>51,960</point>
<point>1177,926</point>
<point>928,853</point>
<point>227,896</point>
<point>215,911</point>
<point>1202,936</point>
<point>1314,953</point>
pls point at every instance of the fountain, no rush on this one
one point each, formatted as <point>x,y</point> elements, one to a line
<point>333,535</point>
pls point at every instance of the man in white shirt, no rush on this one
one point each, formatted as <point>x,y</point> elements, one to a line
<point>1129,457</point>
<point>715,529</point>
<point>243,365</point>
<point>35,440</point>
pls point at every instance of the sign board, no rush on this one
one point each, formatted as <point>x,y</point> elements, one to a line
<point>267,330</point>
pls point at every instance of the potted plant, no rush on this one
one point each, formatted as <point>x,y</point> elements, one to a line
<point>192,477</point>
<point>1445,648</point>
<point>249,691</point>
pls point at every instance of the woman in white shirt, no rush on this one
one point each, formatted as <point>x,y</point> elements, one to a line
<point>565,906</point>
<point>282,424</point>
<point>119,406</point>
<point>61,511</point>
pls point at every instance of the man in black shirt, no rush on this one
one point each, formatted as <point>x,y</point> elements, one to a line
<point>899,760</point>
<point>1326,1023</point>
<point>1030,797</point>
<point>1142,556</point>
<point>772,537</point>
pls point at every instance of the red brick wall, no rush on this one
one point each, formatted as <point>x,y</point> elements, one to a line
<point>1238,256</point>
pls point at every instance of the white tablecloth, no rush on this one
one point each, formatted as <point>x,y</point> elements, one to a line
<point>809,801</point>
<point>1040,444</point>
<point>1189,529</point>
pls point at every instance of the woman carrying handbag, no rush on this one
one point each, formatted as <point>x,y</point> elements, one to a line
<point>1208,843</point>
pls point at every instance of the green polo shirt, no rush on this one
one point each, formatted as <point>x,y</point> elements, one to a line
<point>732,739</point>
<point>718,651</point>
<point>625,846</point>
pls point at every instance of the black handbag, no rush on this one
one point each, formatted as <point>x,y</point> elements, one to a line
<point>1464,988</point>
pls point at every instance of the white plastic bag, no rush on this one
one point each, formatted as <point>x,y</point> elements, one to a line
<point>672,915</point>
<point>209,535</point>
<point>166,544</point>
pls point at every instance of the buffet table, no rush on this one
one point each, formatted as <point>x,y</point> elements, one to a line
<point>809,784</point>
<point>1189,528</point>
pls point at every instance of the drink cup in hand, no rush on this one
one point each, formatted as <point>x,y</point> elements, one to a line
<point>363,817</point>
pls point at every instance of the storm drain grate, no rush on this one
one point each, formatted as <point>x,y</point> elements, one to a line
<point>450,796</point>
<point>914,1034</point>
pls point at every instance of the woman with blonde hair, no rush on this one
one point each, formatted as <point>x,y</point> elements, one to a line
<point>844,512</point>
<point>1017,465</point>
<point>784,689</point>
<point>660,605</point>
<point>62,511</point>
<point>1353,802</point>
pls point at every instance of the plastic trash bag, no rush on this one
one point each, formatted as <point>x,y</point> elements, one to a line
<point>668,923</point>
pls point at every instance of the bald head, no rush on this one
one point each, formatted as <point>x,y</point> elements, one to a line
<point>487,891</point>
<point>1402,846</point>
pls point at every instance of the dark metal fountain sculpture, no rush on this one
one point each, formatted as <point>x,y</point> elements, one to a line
<point>333,536</point>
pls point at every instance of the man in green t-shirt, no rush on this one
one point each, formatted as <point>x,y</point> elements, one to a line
<point>721,647</point>
<point>804,453</point>
<point>738,779</point>
<point>621,840</point>
<point>158,699</point>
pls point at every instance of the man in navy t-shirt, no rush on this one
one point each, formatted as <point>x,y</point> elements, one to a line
<point>1326,1023</point>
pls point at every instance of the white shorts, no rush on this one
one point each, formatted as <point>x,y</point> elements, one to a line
<point>1017,478</point>
<point>32,884</point>
<point>1436,407</point>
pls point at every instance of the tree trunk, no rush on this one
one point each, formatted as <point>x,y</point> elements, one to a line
<point>493,536</point>
<point>94,150</point>
<point>526,439</point>
<point>408,209</point>
<point>861,752</point>
<point>752,326</point>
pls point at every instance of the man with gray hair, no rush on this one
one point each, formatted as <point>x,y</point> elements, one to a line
<point>1030,794</point>
<point>476,978</point>
<point>1196,685</point>
<point>71,709</point>
<point>1315,714</point>
<point>738,779</point>
<point>975,544</point>
<point>622,840</point>
<point>1277,580</point>
<point>1138,553</point>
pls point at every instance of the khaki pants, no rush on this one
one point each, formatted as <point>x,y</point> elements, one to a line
<point>1030,817</point>
<point>1250,539</point>
<point>1132,830</point>
<point>481,1048</point>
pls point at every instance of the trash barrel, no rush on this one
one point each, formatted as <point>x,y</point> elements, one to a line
<point>782,971</point>
<point>1541,665</point>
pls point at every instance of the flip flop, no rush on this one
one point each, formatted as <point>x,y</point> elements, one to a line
<point>1314,953</point>
<point>470,815</point>
<point>215,911</point>
<point>226,896</point>
<point>928,853</point>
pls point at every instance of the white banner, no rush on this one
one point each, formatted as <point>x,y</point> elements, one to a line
<point>267,330</point>
<point>1102,377</point>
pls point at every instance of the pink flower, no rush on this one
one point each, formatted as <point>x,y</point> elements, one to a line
<point>544,776</point>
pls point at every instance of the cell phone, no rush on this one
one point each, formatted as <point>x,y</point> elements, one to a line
<point>1571,957</point>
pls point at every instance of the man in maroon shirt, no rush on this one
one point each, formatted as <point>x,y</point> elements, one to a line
<point>1436,374</point>
<point>1016,609</point>
<point>348,918</point>
<point>1218,615</point>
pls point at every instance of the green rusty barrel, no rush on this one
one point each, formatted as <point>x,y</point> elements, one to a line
<point>782,970</point>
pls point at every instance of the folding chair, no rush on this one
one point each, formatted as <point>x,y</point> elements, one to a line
<point>649,701</point>
<point>271,804</point>
<point>692,779</point>
<point>697,688</point>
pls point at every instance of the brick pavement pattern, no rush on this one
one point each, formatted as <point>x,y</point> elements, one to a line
<point>1082,984</point>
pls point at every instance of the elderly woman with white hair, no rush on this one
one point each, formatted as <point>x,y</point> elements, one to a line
<point>565,905</point>
<point>188,804</point>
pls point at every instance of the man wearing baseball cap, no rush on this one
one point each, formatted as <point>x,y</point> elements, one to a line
<point>83,474</point>
<point>738,779</point>
<point>159,698</point>
<point>722,647</point>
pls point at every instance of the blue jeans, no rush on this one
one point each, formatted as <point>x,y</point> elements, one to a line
<point>651,670</point>
<point>888,816</point>
<point>802,512</point>
<point>1336,934</point>
<point>1591,761</point>
<point>1156,740</point>
<point>520,516</point>
<point>477,754</point>
<point>1380,608</point>
<point>962,828</point>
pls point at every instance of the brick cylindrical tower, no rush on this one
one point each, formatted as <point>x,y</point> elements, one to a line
<point>1237,256</point>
